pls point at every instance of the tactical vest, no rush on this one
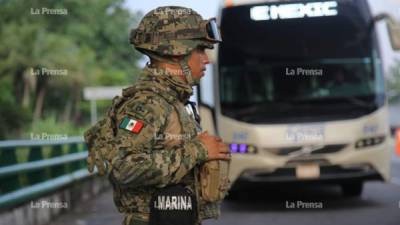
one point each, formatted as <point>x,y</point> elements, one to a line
<point>135,201</point>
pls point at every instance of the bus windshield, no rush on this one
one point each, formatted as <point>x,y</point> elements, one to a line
<point>310,68</point>
<point>292,82</point>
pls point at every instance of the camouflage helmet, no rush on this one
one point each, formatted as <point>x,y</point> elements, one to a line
<point>174,31</point>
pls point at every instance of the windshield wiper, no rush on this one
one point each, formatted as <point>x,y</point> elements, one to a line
<point>257,107</point>
<point>358,102</point>
<point>351,99</point>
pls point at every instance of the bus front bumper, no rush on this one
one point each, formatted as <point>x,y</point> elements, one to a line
<point>328,174</point>
<point>368,164</point>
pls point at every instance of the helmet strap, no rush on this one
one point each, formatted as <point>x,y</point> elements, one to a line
<point>184,63</point>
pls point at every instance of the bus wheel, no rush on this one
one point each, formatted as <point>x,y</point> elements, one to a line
<point>233,195</point>
<point>352,189</point>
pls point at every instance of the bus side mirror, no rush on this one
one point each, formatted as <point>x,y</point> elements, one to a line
<point>212,55</point>
<point>394,33</point>
<point>393,28</point>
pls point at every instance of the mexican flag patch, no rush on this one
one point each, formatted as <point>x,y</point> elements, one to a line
<point>132,125</point>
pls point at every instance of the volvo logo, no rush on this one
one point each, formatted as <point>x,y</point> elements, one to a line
<point>305,150</point>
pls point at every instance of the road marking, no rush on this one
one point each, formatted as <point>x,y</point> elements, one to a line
<point>395,180</point>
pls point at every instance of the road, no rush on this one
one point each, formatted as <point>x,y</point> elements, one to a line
<point>379,204</point>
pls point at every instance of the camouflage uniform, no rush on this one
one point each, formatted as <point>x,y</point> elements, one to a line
<point>166,149</point>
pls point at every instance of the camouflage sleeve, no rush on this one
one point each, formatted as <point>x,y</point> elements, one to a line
<point>140,162</point>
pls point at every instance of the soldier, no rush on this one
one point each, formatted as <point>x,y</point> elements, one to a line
<point>149,145</point>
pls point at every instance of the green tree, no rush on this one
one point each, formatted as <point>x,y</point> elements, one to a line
<point>90,42</point>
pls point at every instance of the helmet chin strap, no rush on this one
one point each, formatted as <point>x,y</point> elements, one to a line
<point>184,64</point>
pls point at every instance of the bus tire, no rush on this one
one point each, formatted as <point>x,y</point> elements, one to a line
<point>353,189</point>
<point>233,195</point>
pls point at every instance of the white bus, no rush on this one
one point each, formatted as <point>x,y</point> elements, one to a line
<point>299,94</point>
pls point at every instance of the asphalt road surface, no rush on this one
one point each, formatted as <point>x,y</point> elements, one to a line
<point>379,204</point>
<point>291,205</point>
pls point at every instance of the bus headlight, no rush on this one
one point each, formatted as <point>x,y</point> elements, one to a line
<point>242,148</point>
<point>368,142</point>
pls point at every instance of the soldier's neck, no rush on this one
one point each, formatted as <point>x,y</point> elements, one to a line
<point>173,69</point>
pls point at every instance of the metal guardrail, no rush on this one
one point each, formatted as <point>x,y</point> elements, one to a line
<point>29,143</point>
<point>36,165</point>
<point>24,180</point>
<point>31,192</point>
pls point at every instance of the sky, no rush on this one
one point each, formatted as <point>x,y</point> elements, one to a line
<point>209,8</point>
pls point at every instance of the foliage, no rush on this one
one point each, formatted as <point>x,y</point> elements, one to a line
<point>12,115</point>
<point>89,44</point>
<point>50,126</point>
